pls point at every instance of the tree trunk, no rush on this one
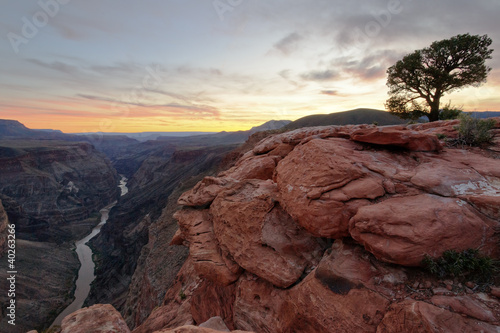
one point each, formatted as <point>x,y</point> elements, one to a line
<point>434,114</point>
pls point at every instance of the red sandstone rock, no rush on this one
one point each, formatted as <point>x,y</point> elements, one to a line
<point>495,291</point>
<point>488,205</point>
<point>100,318</point>
<point>420,317</point>
<point>253,167</point>
<point>467,305</point>
<point>258,305</point>
<point>204,192</point>
<point>319,183</point>
<point>398,204</point>
<point>351,265</point>
<point>196,228</point>
<point>176,308</point>
<point>215,323</point>
<point>295,137</point>
<point>347,292</point>
<point>194,329</point>
<point>260,236</point>
<point>177,239</point>
<point>210,300</point>
<point>446,178</point>
<point>398,136</point>
<point>404,230</point>
<point>341,295</point>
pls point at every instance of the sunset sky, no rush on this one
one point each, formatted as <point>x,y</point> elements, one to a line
<point>212,65</point>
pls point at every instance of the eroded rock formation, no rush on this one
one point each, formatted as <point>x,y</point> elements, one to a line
<point>317,230</point>
<point>100,318</point>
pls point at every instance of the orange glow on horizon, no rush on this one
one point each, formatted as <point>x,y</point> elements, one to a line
<point>77,116</point>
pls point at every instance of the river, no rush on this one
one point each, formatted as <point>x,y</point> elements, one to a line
<point>86,273</point>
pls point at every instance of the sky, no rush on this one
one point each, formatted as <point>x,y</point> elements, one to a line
<point>213,65</point>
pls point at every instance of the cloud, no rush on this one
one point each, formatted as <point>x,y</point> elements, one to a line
<point>56,66</point>
<point>188,109</point>
<point>289,43</point>
<point>117,68</point>
<point>325,75</point>
<point>329,92</point>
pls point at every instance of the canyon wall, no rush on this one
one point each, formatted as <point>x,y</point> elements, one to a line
<point>4,221</point>
<point>52,191</point>
<point>144,216</point>
<point>47,185</point>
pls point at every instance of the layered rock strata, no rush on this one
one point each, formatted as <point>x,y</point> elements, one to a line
<point>47,185</point>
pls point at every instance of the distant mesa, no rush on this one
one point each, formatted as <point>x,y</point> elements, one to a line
<point>351,117</point>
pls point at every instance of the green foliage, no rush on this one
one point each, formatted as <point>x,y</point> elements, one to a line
<point>419,80</point>
<point>182,295</point>
<point>450,112</point>
<point>473,131</point>
<point>441,136</point>
<point>467,265</point>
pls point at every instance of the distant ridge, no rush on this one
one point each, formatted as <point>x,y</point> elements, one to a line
<point>485,114</point>
<point>351,117</point>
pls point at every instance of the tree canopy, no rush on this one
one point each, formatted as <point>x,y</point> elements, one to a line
<point>419,80</point>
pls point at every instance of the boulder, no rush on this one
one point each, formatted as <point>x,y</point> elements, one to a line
<point>253,167</point>
<point>347,292</point>
<point>468,305</point>
<point>215,323</point>
<point>403,230</point>
<point>99,318</point>
<point>197,230</point>
<point>337,297</point>
<point>204,192</point>
<point>397,136</point>
<point>322,184</point>
<point>417,316</point>
<point>268,243</point>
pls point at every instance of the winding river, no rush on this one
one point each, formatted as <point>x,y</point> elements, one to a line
<point>86,273</point>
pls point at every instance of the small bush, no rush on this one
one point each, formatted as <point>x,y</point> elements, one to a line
<point>474,131</point>
<point>466,265</point>
<point>182,295</point>
<point>450,112</point>
<point>441,136</point>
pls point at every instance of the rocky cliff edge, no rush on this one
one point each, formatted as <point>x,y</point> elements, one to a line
<point>323,229</point>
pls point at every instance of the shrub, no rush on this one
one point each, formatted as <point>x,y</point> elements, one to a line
<point>449,112</point>
<point>467,265</point>
<point>473,131</point>
<point>182,295</point>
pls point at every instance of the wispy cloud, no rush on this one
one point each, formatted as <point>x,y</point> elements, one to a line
<point>320,75</point>
<point>289,43</point>
<point>56,66</point>
<point>187,110</point>
<point>329,92</point>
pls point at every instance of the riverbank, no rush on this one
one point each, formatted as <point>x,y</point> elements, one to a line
<point>86,271</point>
